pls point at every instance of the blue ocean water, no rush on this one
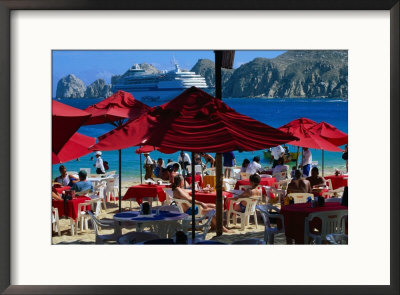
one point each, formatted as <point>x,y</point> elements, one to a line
<point>273,112</point>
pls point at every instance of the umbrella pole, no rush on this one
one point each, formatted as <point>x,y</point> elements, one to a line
<point>119,181</point>
<point>297,159</point>
<point>219,200</point>
<point>140,164</point>
<point>193,201</point>
<point>322,163</point>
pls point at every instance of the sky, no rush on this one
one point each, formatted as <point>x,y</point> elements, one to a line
<point>91,65</point>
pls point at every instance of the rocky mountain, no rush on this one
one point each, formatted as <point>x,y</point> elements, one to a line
<point>98,88</point>
<point>70,87</point>
<point>296,73</point>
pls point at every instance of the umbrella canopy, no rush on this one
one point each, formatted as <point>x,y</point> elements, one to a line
<point>330,133</point>
<point>293,127</point>
<point>150,148</point>
<point>312,140</point>
<point>121,105</point>
<point>194,121</point>
<point>77,146</point>
<point>66,120</point>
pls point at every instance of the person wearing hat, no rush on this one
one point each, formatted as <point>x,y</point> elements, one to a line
<point>148,166</point>
<point>82,184</point>
<point>99,164</point>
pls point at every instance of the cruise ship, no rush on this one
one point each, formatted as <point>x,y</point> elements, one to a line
<point>147,86</point>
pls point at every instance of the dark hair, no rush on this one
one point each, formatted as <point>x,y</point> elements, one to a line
<point>255,178</point>
<point>280,161</point>
<point>169,161</point>
<point>315,169</point>
<point>61,167</point>
<point>82,175</point>
<point>176,165</point>
<point>256,159</point>
<point>159,159</point>
<point>177,181</point>
<point>245,161</point>
<point>297,174</point>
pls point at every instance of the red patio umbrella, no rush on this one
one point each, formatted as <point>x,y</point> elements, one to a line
<point>77,146</point>
<point>114,110</point>
<point>66,120</point>
<point>330,133</point>
<point>197,122</point>
<point>194,121</point>
<point>119,106</point>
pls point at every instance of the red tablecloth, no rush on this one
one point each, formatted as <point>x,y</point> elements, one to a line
<point>197,178</point>
<point>70,209</point>
<point>264,181</point>
<point>211,198</point>
<point>141,191</point>
<point>295,214</point>
<point>337,181</point>
<point>62,188</point>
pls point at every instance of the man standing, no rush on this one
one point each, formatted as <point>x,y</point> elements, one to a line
<point>277,153</point>
<point>148,166</point>
<point>99,164</point>
<point>306,161</point>
<point>184,160</point>
<point>229,161</point>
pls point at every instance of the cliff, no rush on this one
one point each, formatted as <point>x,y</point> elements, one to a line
<point>70,87</point>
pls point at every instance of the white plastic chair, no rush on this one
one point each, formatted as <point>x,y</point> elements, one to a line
<point>209,171</point>
<point>280,175</point>
<point>85,169</point>
<point>83,218</point>
<point>284,183</point>
<point>169,196</point>
<point>279,194</point>
<point>110,189</point>
<point>244,175</point>
<point>170,208</point>
<point>179,203</point>
<point>136,237</point>
<point>332,223</point>
<point>337,192</point>
<point>105,224</point>
<point>329,183</point>
<point>245,216</point>
<point>300,197</point>
<point>203,224</point>
<point>55,220</point>
<point>270,231</point>
<point>84,193</point>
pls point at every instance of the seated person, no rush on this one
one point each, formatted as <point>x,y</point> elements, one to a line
<point>157,170</point>
<point>280,167</point>
<point>200,162</point>
<point>180,193</point>
<point>175,172</point>
<point>299,184</point>
<point>315,179</point>
<point>82,184</point>
<point>55,195</point>
<point>245,163</point>
<point>254,167</point>
<point>65,179</point>
<point>251,192</point>
<point>165,174</point>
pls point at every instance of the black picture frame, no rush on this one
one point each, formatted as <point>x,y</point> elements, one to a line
<point>7,6</point>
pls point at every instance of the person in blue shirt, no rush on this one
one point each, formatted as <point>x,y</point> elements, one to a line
<point>157,171</point>
<point>82,184</point>
<point>229,161</point>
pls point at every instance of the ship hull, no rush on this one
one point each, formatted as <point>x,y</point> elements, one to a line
<point>159,94</point>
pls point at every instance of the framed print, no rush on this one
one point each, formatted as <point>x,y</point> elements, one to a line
<point>56,53</point>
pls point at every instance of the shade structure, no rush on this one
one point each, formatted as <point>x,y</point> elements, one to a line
<point>119,106</point>
<point>330,133</point>
<point>293,127</point>
<point>312,140</point>
<point>150,148</point>
<point>66,120</point>
<point>197,122</point>
<point>77,146</point>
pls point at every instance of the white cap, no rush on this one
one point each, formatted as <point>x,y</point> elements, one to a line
<point>98,153</point>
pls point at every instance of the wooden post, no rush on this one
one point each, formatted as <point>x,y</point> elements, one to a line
<point>193,201</point>
<point>218,156</point>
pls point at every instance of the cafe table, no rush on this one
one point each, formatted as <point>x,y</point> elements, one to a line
<point>211,197</point>
<point>140,191</point>
<point>164,223</point>
<point>62,188</point>
<point>337,181</point>
<point>197,178</point>
<point>295,215</point>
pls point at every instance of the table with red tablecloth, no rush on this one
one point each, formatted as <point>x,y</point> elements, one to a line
<point>295,215</point>
<point>211,198</point>
<point>141,191</point>
<point>197,178</point>
<point>62,188</point>
<point>337,181</point>
<point>70,207</point>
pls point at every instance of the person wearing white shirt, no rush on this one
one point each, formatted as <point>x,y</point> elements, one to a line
<point>184,160</point>
<point>254,167</point>
<point>277,152</point>
<point>279,168</point>
<point>99,164</point>
<point>306,161</point>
